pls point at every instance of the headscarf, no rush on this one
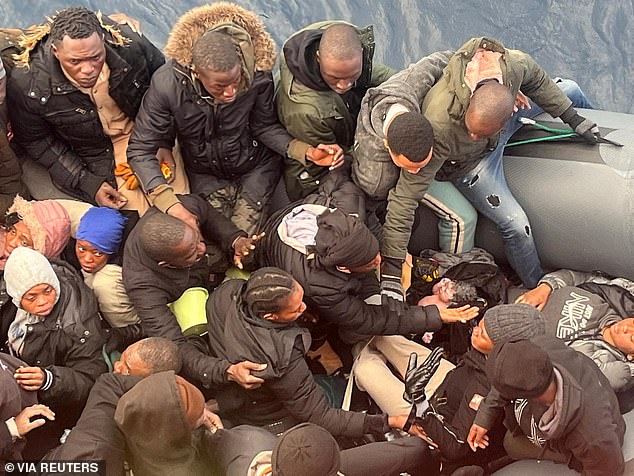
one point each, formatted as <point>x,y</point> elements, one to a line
<point>103,228</point>
<point>48,223</point>
<point>344,240</point>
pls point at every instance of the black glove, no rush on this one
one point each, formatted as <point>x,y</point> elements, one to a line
<point>391,287</point>
<point>582,126</point>
<point>416,378</point>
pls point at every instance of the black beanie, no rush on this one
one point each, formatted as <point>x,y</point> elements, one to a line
<point>508,322</point>
<point>343,240</point>
<point>519,369</point>
<point>306,450</point>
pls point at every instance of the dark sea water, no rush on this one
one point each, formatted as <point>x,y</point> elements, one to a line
<point>591,41</point>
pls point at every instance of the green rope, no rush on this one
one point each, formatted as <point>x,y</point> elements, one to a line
<point>542,139</point>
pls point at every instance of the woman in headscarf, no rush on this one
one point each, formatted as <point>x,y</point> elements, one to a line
<point>98,241</point>
<point>57,332</point>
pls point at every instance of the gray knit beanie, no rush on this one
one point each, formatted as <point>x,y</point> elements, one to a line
<point>26,268</point>
<point>509,322</point>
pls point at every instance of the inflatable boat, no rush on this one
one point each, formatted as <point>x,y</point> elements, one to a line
<point>579,197</point>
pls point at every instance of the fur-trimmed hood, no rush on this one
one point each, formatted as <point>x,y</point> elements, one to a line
<point>193,24</point>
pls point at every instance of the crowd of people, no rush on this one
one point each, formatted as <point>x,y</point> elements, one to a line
<point>166,318</point>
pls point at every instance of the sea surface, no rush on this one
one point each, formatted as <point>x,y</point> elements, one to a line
<point>587,40</point>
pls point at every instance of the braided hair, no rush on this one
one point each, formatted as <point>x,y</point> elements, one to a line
<point>267,289</point>
<point>76,23</point>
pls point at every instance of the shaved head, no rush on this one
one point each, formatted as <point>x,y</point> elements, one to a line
<point>490,107</point>
<point>340,42</point>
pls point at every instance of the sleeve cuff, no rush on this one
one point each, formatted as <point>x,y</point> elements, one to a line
<point>13,428</point>
<point>163,197</point>
<point>376,424</point>
<point>49,380</point>
<point>90,184</point>
<point>297,151</point>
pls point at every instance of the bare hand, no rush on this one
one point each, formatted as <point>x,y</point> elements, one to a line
<point>478,437</point>
<point>29,378</point>
<point>240,373</point>
<point>179,211</point>
<point>108,196</point>
<point>243,246</point>
<point>399,421</point>
<point>123,19</point>
<point>23,419</point>
<point>521,102</point>
<point>458,314</point>
<point>166,157</point>
<point>537,297</point>
<point>326,155</point>
<point>211,421</point>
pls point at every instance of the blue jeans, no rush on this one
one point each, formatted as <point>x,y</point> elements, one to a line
<point>486,188</point>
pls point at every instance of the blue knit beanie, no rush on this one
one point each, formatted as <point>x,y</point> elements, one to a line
<point>102,227</point>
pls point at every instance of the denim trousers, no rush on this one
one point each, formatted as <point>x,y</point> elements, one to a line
<point>486,188</point>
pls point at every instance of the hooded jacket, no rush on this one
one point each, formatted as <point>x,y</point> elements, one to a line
<point>49,224</point>
<point>67,343</point>
<point>218,141</point>
<point>580,306</point>
<point>310,110</point>
<point>590,428</point>
<point>57,125</point>
<point>158,437</point>
<point>151,287</point>
<point>373,170</point>
<point>446,104</point>
<point>289,390</point>
<point>339,297</point>
<point>96,435</point>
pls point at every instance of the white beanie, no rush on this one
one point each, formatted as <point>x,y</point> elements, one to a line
<point>26,268</point>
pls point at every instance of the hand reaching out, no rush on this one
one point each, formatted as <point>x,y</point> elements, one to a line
<point>243,246</point>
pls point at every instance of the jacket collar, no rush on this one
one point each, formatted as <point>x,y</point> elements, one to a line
<point>59,83</point>
<point>455,71</point>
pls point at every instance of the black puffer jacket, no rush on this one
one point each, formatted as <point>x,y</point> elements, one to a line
<point>336,296</point>
<point>152,287</point>
<point>289,390</point>
<point>59,126</point>
<point>67,343</point>
<point>224,141</point>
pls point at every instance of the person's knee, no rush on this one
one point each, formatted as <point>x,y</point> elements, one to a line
<point>514,223</point>
<point>366,370</point>
<point>469,218</point>
<point>574,92</point>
